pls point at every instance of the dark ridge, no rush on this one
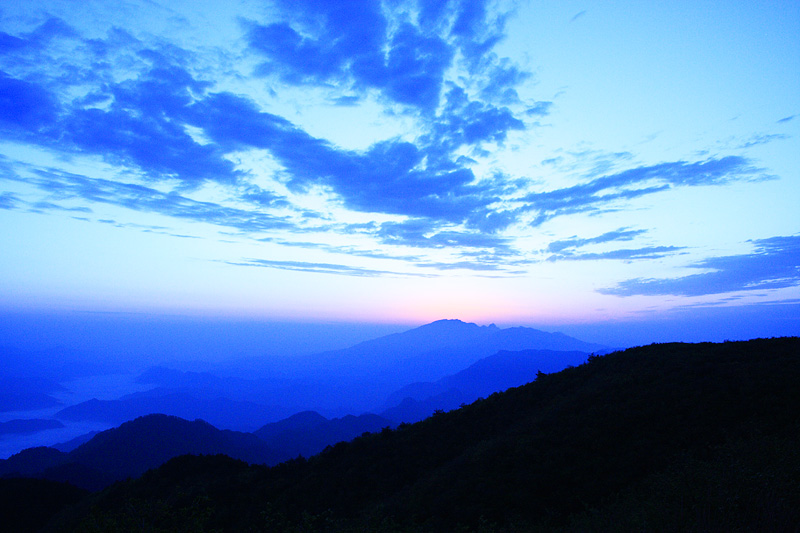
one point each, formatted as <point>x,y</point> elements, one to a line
<point>26,505</point>
<point>669,437</point>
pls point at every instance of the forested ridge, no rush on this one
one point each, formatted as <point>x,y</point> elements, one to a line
<point>667,437</point>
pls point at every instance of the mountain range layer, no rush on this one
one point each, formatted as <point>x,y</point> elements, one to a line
<point>667,437</point>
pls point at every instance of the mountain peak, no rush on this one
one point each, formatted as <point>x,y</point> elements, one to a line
<point>448,322</point>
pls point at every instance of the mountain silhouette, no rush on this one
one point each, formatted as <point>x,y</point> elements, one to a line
<point>132,448</point>
<point>673,437</point>
<point>28,426</point>
<point>221,412</point>
<point>308,433</point>
<point>150,440</point>
<point>19,393</point>
<point>491,374</point>
<point>336,383</point>
<point>426,353</point>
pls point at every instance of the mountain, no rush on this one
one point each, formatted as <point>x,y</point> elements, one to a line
<point>426,353</point>
<point>335,383</point>
<point>28,426</point>
<point>491,374</point>
<point>71,444</point>
<point>32,461</point>
<point>221,412</point>
<point>308,433</point>
<point>673,437</point>
<point>449,345</point>
<point>148,441</point>
<point>132,448</point>
<point>27,393</point>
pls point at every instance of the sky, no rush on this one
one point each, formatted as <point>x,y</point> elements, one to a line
<point>542,163</point>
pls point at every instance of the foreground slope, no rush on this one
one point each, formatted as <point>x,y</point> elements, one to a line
<point>663,437</point>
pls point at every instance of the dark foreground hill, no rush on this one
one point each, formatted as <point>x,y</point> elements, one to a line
<point>673,437</point>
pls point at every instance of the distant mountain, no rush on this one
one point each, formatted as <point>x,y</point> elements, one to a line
<point>221,412</point>
<point>308,433</point>
<point>410,410</point>
<point>32,461</point>
<point>28,426</point>
<point>491,374</point>
<point>71,444</point>
<point>238,389</point>
<point>27,393</point>
<point>428,353</point>
<point>133,448</point>
<point>673,437</point>
<point>148,441</point>
<point>335,383</point>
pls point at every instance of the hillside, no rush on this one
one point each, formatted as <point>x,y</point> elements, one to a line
<point>132,448</point>
<point>491,374</point>
<point>669,437</point>
<point>308,433</point>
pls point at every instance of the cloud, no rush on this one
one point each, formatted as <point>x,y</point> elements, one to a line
<point>320,268</point>
<point>24,106</point>
<point>755,140</point>
<point>138,123</point>
<point>566,249</point>
<point>649,252</point>
<point>577,15</point>
<point>773,264</point>
<point>350,43</point>
<point>628,184</point>
<point>420,233</point>
<point>389,177</point>
<point>539,109</point>
<point>42,207</point>
<point>68,186</point>
<point>466,122</point>
<point>476,258</point>
<point>622,234</point>
<point>9,201</point>
<point>404,51</point>
<point>787,119</point>
<point>161,122</point>
<point>143,126</point>
<point>10,43</point>
<point>150,108</point>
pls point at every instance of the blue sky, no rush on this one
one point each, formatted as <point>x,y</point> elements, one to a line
<point>400,162</point>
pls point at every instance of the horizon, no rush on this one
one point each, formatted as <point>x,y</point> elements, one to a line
<point>614,170</point>
<point>93,363</point>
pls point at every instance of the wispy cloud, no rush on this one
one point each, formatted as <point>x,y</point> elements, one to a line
<point>602,192</point>
<point>320,268</point>
<point>773,264</point>
<point>567,249</point>
<point>627,254</point>
<point>9,201</point>
<point>67,186</point>
<point>756,140</point>
<point>622,234</point>
<point>577,15</point>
